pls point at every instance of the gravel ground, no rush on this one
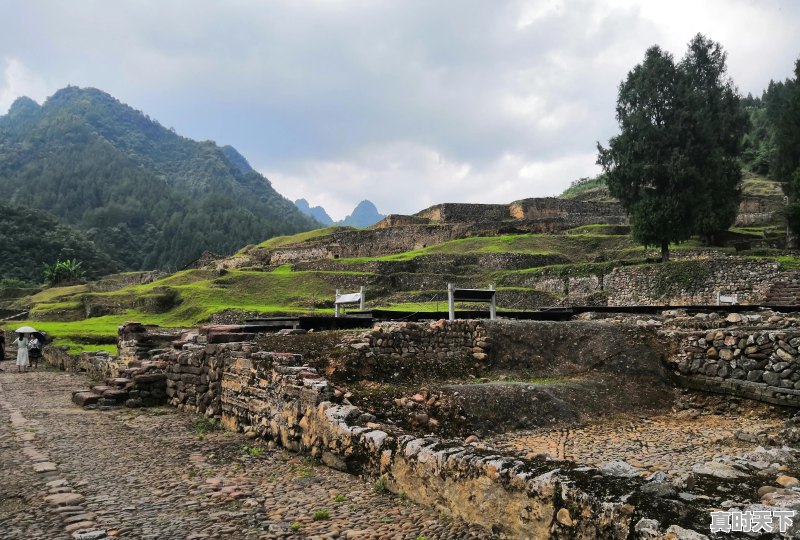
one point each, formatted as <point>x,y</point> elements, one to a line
<point>672,443</point>
<point>161,474</point>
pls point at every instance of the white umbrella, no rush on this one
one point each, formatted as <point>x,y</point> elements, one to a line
<point>25,330</point>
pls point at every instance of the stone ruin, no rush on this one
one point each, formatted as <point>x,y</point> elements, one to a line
<point>444,411</point>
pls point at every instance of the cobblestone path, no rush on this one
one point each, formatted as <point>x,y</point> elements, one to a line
<point>158,474</point>
<point>670,443</point>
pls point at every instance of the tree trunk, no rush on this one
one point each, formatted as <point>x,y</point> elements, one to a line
<point>664,251</point>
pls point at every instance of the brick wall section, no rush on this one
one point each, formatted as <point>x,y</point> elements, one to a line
<point>755,364</point>
<point>698,282</point>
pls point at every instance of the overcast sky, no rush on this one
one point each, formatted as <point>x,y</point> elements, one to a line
<point>407,103</point>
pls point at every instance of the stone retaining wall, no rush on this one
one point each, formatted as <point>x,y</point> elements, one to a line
<point>97,365</point>
<point>401,351</point>
<point>136,341</point>
<point>680,283</point>
<point>756,364</point>
<point>272,396</point>
<point>194,376</point>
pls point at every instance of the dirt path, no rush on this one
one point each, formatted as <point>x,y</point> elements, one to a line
<point>155,474</point>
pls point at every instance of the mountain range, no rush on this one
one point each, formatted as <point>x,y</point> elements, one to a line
<point>364,214</point>
<point>146,197</point>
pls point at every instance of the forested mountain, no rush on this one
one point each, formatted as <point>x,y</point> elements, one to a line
<point>146,196</point>
<point>32,238</point>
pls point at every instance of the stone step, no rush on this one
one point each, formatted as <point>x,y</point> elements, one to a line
<point>86,398</point>
<point>118,382</point>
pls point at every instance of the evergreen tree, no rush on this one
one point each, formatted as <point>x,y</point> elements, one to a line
<point>674,164</point>
<point>783,109</point>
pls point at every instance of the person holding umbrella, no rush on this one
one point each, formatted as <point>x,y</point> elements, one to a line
<point>22,347</point>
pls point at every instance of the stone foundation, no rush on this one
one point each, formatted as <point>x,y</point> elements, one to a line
<point>756,364</point>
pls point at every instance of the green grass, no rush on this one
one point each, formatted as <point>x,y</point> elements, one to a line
<point>283,241</point>
<point>321,514</point>
<point>787,262</point>
<point>583,187</point>
<point>760,186</point>
<point>77,348</point>
<point>53,293</point>
<point>576,247</point>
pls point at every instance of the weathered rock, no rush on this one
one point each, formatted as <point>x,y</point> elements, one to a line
<point>64,499</point>
<point>717,470</point>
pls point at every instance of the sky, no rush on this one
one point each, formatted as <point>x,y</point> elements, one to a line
<point>407,103</point>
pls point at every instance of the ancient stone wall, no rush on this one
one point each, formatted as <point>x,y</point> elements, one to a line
<point>138,342</point>
<point>367,243</point>
<point>569,212</point>
<point>465,213</point>
<point>402,351</point>
<point>758,211</point>
<point>573,213</point>
<point>760,364</point>
<point>698,282</point>
<point>194,376</point>
<point>271,396</point>
<point>98,365</point>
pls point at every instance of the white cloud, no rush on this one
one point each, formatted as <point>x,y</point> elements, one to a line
<point>407,103</point>
<point>406,178</point>
<point>17,81</point>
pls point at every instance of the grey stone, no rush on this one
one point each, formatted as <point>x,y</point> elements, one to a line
<point>619,468</point>
<point>679,533</point>
<point>717,470</point>
<point>754,375</point>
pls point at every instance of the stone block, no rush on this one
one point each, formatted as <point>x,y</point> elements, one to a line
<point>85,398</point>
<point>150,378</point>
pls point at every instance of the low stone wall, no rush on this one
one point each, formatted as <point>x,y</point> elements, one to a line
<point>194,375</point>
<point>757,364</point>
<point>270,396</point>
<point>97,365</point>
<point>402,351</point>
<point>136,341</point>
<point>696,282</point>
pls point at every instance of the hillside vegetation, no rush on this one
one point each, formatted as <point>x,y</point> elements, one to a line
<point>147,197</point>
<point>32,238</point>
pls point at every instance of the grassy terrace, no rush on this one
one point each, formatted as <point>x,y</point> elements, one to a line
<point>189,297</point>
<point>292,240</point>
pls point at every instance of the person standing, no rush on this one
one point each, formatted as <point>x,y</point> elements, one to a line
<point>34,351</point>
<point>22,352</point>
<point>2,346</point>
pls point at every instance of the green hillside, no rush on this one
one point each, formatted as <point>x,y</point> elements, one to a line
<point>32,238</point>
<point>146,196</point>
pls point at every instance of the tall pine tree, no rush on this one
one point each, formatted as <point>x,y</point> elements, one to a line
<point>674,164</point>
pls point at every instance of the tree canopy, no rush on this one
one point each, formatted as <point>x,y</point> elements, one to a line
<point>783,111</point>
<point>31,239</point>
<point>674,165</point>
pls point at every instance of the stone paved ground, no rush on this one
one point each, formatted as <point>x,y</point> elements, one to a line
<point>672,443</point>
<point>156,474</point>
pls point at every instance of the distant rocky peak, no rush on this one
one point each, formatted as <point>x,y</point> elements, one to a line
<point>364,215</point>
<point>316,212</point>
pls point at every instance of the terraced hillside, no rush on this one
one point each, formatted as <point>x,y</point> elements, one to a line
<point>531,250</point>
